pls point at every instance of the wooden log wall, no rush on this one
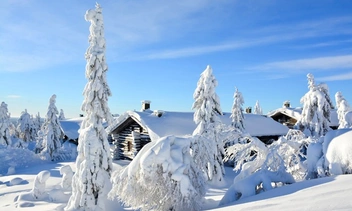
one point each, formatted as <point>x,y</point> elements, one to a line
<point>129,141</point>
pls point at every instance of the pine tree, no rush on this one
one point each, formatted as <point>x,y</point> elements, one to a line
<point>5,138</point>
<point>37,122</point>
<point>342,108</point>
<point>208,148</point>
<point>52,131</point>
<point>24,129</point>
<point>92,178</point>
<point>62,115</point>
<point>237,111</point>
<point>316,109</point>
<point>257,108</point>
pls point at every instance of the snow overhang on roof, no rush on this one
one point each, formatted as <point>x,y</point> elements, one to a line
<point>297,112</point>
<point>181,123</point>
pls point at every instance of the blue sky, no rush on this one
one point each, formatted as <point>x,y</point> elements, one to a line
<point>157,49</point>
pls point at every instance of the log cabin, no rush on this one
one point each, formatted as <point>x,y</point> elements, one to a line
<point>133,129</point>
<point>289,116</point>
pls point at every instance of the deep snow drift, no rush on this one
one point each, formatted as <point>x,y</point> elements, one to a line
<point>329,193</point>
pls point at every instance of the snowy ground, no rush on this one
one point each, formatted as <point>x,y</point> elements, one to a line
<point>330,193</point>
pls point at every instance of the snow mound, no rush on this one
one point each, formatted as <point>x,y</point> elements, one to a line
<point>17,181</point>
<point>18,159</point>
<point>339,156</point>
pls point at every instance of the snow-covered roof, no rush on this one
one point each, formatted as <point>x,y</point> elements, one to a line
<point>71,127</point>
<point>181,123</point>
<point>297,112</point>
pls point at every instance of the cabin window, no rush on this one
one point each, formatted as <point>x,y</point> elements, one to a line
<point>129,146</point>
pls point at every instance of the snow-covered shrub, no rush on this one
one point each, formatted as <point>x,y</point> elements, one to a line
<point>38,190</point>
<point>67,174</point>
<point>161,177</point>
<point>246,149</point>
<point>292,150</point>
<point>208,148</point>
<point>271,172</point>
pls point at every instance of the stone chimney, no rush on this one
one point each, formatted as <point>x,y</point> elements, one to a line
<point>249,110</point>
<point>145,105</point>
<point>286,104</point>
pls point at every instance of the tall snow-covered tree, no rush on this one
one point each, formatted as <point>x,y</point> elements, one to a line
<point>52,131</point>
<point>342,108</point>
<point>208,148</point>
<point>257,108</point>
<point>91,181</point>
<point>62,115</point>
<point>24,128</point>
<point>237,111</point>
<point>316,109</point>
<point>5,138</point>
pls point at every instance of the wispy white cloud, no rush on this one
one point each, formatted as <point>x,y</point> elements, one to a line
<point>261,36</point>
<point>41,36</point>
<point>13,96</point>
<point>320,63</point>
<point>338,77</point>
<point>323,44</point>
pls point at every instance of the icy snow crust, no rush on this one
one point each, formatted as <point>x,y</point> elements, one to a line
<point>181,123</point>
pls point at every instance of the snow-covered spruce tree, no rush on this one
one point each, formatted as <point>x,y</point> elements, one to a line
<point>52,131</point>
<point>5,138</point>
<point>37,122</point>
<point>342,108</point>
<point>208,148</point>
<point>316,109</point>
<point>62,115</point>
<point>257,108</point>
<point>163,176</point>
<point>237,111</point>
<point>24,128</point>
<point>34,129</point>
<point>91,181</point>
